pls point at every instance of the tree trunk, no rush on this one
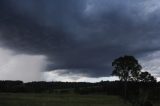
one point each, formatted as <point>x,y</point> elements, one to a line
<point>125,89</point>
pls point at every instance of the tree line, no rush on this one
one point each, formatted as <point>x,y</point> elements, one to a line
<point>104,87</point>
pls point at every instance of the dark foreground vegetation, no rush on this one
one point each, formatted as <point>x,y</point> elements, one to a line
<point>103,87</point>
<point>103,93</point>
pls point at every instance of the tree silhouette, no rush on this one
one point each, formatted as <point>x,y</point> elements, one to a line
<point>126,68</point>
<point>146,77</point>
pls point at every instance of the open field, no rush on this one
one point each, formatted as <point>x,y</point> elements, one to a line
<point>58,100</point>
<point>11,99</point>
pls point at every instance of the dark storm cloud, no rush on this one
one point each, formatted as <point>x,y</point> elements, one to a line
<point>80,36</point>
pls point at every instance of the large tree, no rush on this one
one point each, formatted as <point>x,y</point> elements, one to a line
<point>126,68</point>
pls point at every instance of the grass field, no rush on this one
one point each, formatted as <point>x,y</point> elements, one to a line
<point>10,99</point>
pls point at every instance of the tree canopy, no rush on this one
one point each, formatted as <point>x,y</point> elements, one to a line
<point>146,77</point>
<point>127,68</point>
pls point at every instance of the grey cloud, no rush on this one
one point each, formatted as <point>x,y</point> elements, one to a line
<point>81,36</point>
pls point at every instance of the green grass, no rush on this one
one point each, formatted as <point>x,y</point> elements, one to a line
<point>11,99</point>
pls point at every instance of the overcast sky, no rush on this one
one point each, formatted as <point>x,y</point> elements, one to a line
<point>76,40</point>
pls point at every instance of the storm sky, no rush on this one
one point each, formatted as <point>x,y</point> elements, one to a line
<point>76,40</point>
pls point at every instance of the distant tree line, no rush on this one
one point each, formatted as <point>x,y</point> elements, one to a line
<point>103,87</point>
